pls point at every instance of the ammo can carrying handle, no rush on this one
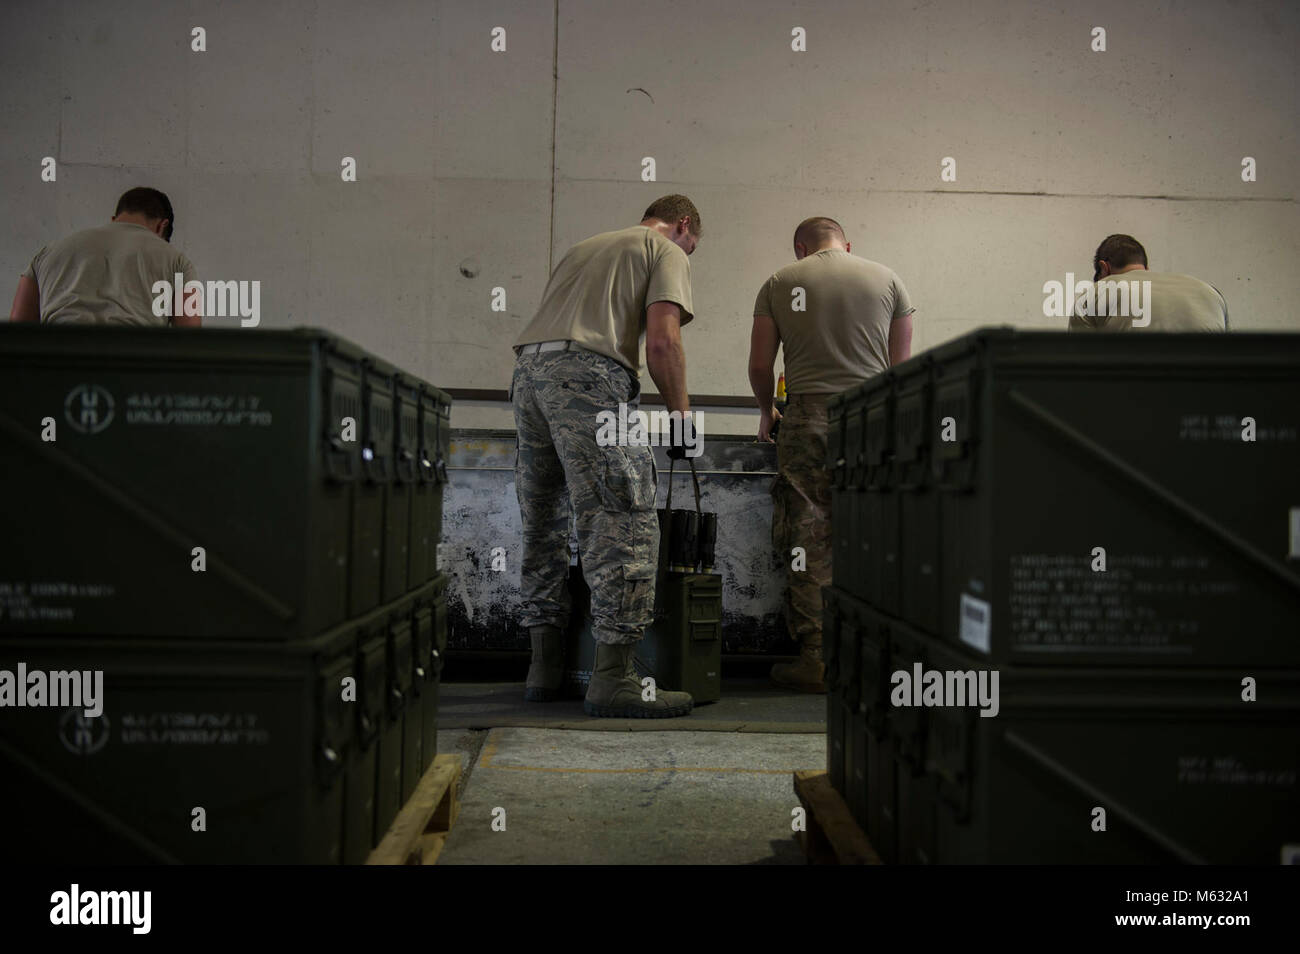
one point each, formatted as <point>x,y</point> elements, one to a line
<point>672,463</point>
<point>340,462</point>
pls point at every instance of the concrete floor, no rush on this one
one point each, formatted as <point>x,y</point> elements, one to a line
<point>714,787</point>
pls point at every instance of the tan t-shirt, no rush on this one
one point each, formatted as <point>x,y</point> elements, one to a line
<point>841,337</point>
<point>1178,303</point>
<point>598,294</point>
<point>105,276</point>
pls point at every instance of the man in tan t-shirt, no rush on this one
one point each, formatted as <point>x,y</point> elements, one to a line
<point>579,359</point>
<point>1175,303</point>
<point>106,275</point>
<point>838,319</point>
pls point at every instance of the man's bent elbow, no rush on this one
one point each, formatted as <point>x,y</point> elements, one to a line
<point>660,349</point>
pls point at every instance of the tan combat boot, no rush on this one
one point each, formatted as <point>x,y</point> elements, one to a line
<point>808,672</point>
<point>615,690</point>
<point>546,672</point>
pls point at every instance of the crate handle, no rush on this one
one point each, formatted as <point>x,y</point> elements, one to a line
<point>340,462</point>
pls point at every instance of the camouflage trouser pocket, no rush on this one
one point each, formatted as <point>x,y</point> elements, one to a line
<point>638,593</point>
<point>629,484</point>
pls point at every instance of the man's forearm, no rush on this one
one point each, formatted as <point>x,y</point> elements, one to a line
<point>900,340</point>
<point>763,381</point>
<point>27,301</point>
<point>191,315</point>
<point>667,366</point>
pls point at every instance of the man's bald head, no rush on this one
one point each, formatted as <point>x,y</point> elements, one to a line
<point>818,233</point>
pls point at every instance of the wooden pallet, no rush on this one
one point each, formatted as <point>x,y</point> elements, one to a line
<point>832,836</point>
<point>420,829</point>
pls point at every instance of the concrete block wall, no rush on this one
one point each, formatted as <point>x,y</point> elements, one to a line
<point>477,169</point>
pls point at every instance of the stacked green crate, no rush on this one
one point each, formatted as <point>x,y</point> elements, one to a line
<point>222,522</point>
<point>1071,515</point>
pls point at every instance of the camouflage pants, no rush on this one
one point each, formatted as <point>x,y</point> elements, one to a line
<point>561,471</point>
<point>801,512</point>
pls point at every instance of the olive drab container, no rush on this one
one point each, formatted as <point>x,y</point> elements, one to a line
<point>233,482</point>
<point>200,473</point>
<point>1053,499</point>
<point>237,529</point>
<point>942,784</point>
<point>1082,584</point>
<point>296,752</point>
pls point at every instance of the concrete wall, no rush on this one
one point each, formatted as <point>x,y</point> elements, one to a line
<point>477,169</point>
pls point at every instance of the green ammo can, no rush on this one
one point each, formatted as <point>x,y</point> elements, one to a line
<point>207,752</point>
<point>136,452</point>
